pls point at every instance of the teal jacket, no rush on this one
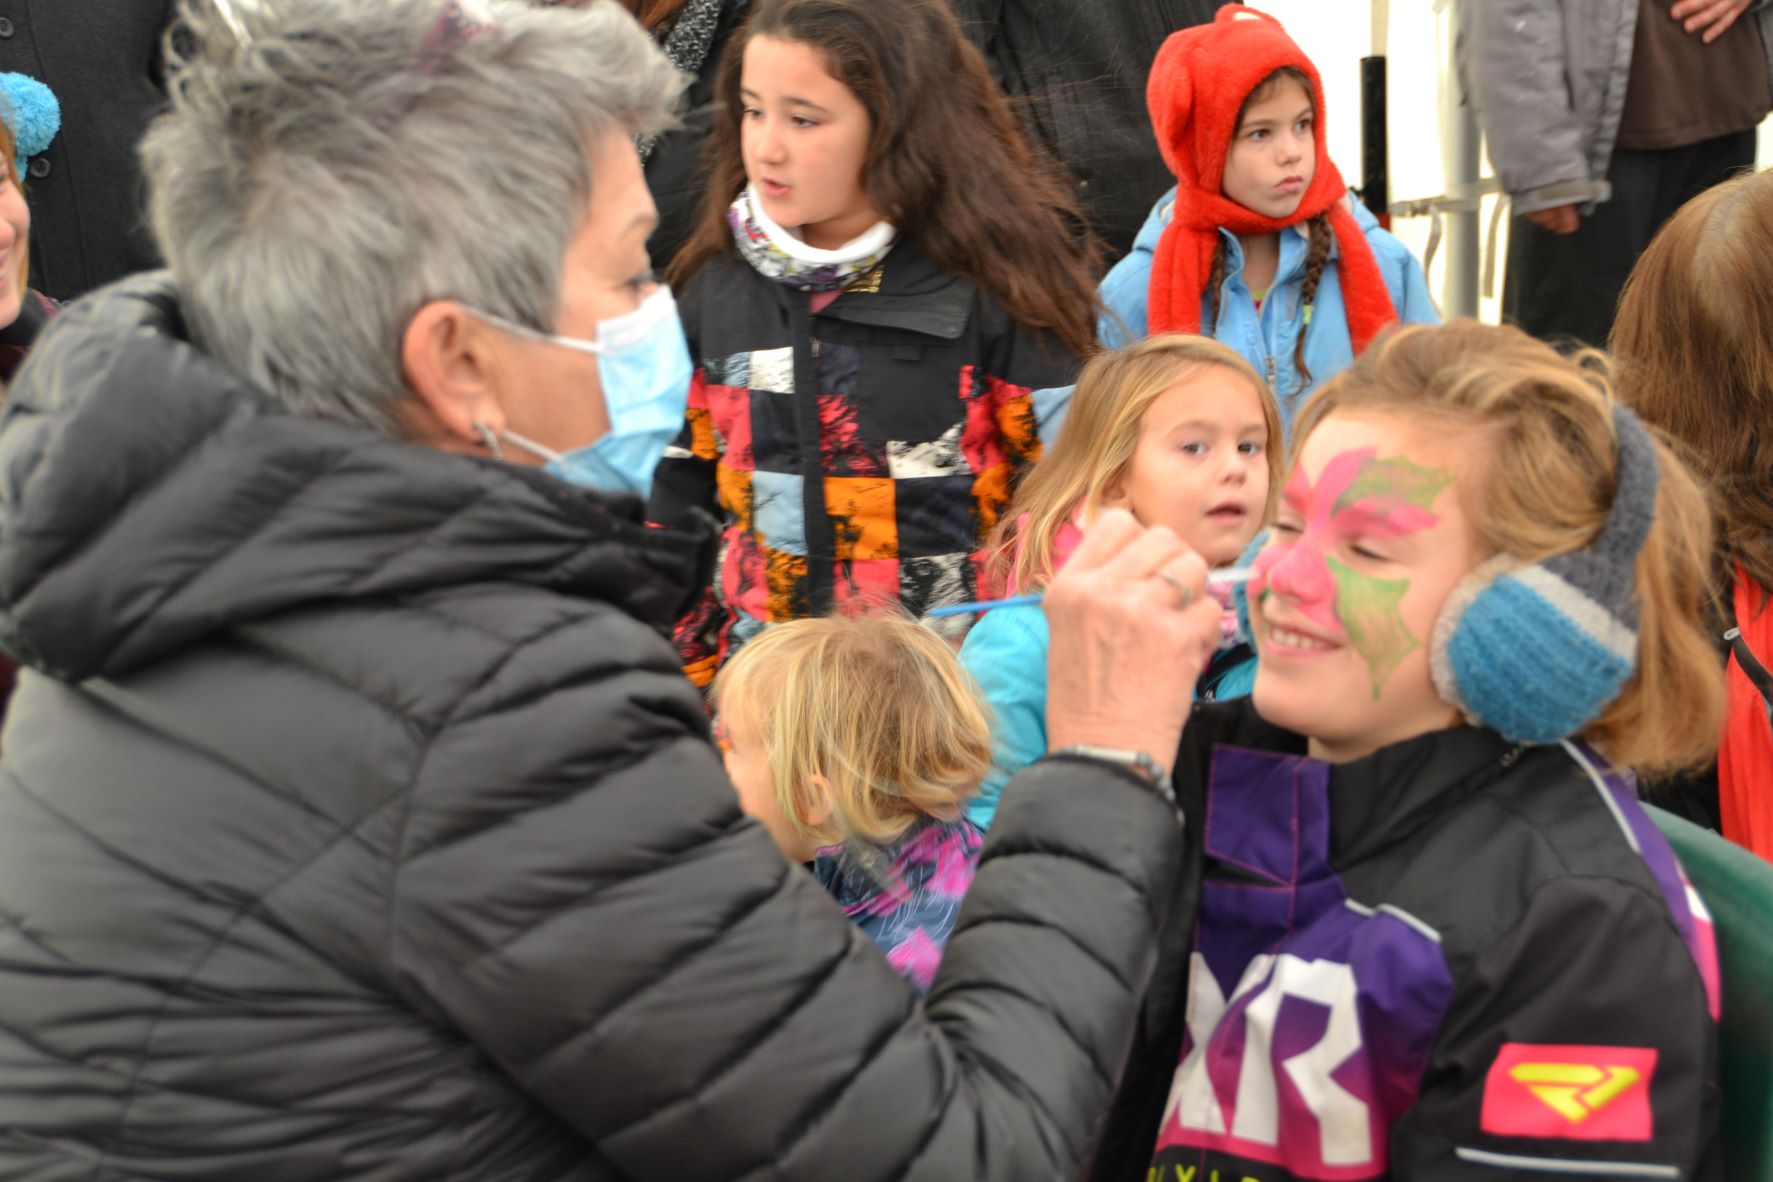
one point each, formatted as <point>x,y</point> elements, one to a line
<point>1267,337</point>
<point>1006,652</point>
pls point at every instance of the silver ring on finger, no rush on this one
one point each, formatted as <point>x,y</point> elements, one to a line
<point>1182,589</point>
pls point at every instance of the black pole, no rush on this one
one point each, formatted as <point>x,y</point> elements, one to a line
<point>1375,146</point>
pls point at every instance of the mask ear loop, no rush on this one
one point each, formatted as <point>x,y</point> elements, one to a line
<point>490,441</point>
<point>534,448</point>
<point>592,348</point>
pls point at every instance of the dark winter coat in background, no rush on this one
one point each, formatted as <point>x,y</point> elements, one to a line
<point>357,822</point>
<point>675,169</point>
<point>102,59</point>
<point>1076,70</point>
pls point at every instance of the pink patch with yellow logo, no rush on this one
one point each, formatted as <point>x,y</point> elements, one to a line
<point>1578,1093</point>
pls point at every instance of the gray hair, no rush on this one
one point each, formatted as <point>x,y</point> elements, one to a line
<point>325,171</point>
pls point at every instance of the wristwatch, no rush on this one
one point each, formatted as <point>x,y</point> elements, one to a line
<point>1139,761</point>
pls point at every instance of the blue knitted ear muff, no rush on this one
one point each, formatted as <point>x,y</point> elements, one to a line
<point>1535,651</point>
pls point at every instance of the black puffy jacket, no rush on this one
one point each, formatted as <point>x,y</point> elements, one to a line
<point>356,822</point>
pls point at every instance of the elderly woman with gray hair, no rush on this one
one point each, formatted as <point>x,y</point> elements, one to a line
<point>355,819</point>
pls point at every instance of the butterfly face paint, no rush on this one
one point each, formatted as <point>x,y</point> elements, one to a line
<point>1359,500</point>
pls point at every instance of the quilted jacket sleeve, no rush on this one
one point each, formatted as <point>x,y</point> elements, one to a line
<point>578,893</point>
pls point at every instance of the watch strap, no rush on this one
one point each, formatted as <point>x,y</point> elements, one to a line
<point>1140,761</point>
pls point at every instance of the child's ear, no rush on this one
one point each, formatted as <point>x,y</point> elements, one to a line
<point>1115,496</point>
<point>815,805</point>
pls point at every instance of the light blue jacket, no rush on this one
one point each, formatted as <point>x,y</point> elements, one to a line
<point>1267,338</point>
<point>1006,652</point>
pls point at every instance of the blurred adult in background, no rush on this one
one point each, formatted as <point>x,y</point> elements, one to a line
<point>1602,118</point>
<point>1077,70</point>
<point>102,59</point>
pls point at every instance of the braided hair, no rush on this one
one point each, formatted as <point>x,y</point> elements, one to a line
<point>1216,282</point>
<point>1317,257</point>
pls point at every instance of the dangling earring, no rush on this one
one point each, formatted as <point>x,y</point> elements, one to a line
<point>490,441</point>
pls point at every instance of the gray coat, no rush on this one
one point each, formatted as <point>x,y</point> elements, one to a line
<point>1547,78</point>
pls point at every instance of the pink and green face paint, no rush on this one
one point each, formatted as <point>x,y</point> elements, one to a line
<point>1357,496</point>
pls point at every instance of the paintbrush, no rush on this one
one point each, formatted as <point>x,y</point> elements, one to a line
<point>1215,578</point>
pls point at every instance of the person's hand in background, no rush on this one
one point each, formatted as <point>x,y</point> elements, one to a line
<point>1559,219</point>
<point>1708,18</point>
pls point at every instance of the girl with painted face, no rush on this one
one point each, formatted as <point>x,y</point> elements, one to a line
<point>1180,432</point>
<point>1431,932</point>
<point>1259,244</point>
<point>883,296</point>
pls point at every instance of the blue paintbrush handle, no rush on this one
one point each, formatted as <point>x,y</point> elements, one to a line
<point>1217,578</point>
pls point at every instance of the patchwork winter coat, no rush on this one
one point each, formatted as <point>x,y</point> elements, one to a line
<point>926,406</point>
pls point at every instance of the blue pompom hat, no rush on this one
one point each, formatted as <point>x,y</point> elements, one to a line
<point>32,112</point>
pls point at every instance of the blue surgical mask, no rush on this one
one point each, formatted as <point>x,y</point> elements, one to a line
<point>644,366</point>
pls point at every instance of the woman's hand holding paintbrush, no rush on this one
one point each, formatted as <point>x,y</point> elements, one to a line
<point>1132,626</point>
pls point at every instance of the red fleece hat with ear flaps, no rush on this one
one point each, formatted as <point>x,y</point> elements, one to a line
<point>1198,83</point>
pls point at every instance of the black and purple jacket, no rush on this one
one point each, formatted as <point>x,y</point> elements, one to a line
<point>1457,958</point>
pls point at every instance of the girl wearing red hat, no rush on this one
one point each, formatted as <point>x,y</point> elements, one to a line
<point>1259,244</point>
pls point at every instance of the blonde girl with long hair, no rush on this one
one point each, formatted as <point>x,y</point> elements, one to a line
<point>1434,935</point>
<point>856,742</point>
<point>1178,430</point>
